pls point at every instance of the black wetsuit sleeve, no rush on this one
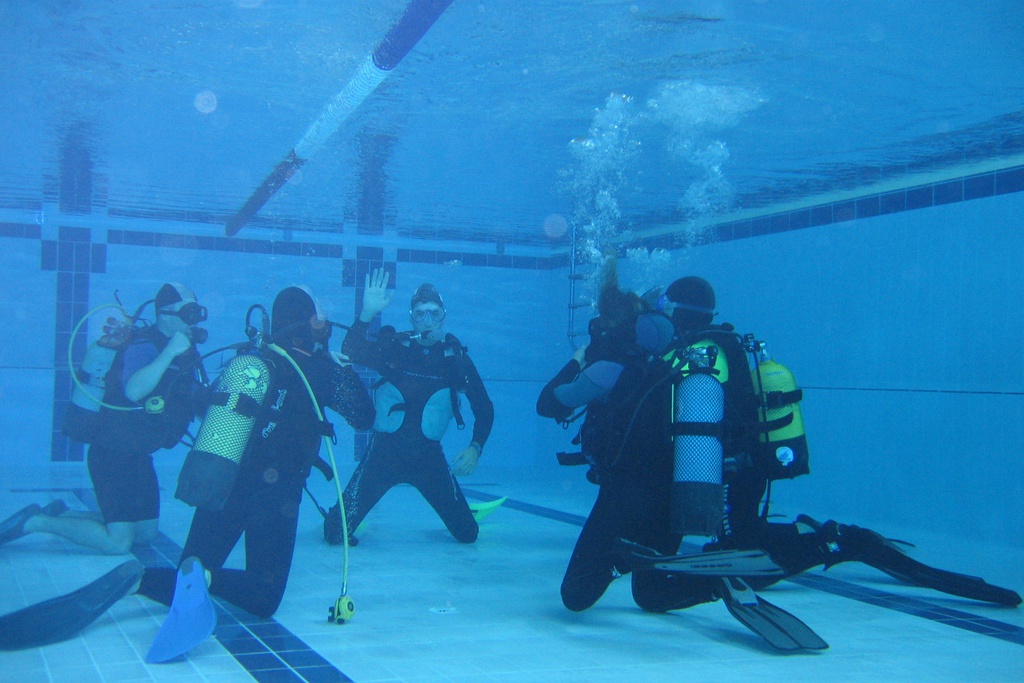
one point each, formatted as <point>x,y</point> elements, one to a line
<point>361,350</point>
<point>547,404</point>
<point>479,403</point>
<point>349,397</point>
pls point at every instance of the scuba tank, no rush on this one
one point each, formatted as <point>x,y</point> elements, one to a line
<point>783,441</point>
<point>208,474</point>
<point>698,496</point>
<point>81,421</point>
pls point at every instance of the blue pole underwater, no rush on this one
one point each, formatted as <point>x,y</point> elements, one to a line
<point>417,19</point>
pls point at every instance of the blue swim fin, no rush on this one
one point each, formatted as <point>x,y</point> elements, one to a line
<point>192,618</point>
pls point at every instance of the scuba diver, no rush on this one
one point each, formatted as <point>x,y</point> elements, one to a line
<point>422,374</point>
<point>245,475</point>
<point>606,377</point>
<point>649,501</point>
<point>260,495</point>
<point>146,401</point>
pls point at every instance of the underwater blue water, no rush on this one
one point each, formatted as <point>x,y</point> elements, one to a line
<point>849,177</point>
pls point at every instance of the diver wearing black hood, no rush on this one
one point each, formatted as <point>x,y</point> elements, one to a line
<point>264,503</point>
<point>634,466</point>
<point>422,374</point>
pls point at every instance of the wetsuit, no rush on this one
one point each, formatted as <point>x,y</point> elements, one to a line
<point>264,504</point>
<point>120,457</point>
<point>625,438</point>
<point>414,406</point>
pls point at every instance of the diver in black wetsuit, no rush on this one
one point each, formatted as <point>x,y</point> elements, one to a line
<point>632,463</point>
<point>264,503</point>
<point>421,376</point>
<point>634,501</point>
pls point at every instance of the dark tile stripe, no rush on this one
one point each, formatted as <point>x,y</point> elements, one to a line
<point>912,606</point>
<point>265,648</point>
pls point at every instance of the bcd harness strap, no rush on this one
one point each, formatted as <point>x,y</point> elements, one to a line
<point>247,406</point>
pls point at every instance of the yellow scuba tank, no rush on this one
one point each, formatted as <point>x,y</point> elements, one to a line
<point>209,471</point>
<point>783,441</point>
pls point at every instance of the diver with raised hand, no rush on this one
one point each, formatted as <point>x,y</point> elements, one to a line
<point>422,374</point>
<point>147,405</point>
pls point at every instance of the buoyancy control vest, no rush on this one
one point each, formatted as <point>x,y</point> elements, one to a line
<point>101,414</point>
<point>753,430</point>
<point>251,406</point>
<point>762,425</point>
<point>414,396</point>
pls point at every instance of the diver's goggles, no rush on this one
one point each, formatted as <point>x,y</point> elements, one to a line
<point>190,313</point>
<point>421,314</point>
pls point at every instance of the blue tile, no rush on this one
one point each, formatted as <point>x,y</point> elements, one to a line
<point>58,447</point>
<point>140,239</point>
<point>500,260</point>
<point>66,256</point>
<point>760,226</point>
<point>1011,180</point>
<point>314,250</point>
<point>275,676</point>
<point>297,658</point>
<point>63,318</point>
<point>18,230</point>
<point>259,661</point>
<point>893,202</point>
<point>322,674</point>
<point>65,286</point>
<point>98,259</point>
<point>800,219</point>
<point>348,273</point>
<point>82,257</point>
<point>422,256</point>
<point>868,206</point>
<point>779,222</point>
<point>71,234</point>
<point>821,215</point>
<point>48,255</point>
<point>844,211</point>
<point>81,287</point>
<point>370,253</point>
<point>979,186</point>
<point>286,248</point>
<point>948,193</point>
<point>258,247</point>
<point>474,259</point>
<point>919,198</point>
<point>115,237</point>
<point>229,244</point>
<point>524,262</point>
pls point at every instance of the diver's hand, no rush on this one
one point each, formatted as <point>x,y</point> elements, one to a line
<point>340,358</point>
<point>465,462</point>
<point>375,294</point>
<point>178,344</point>
<point>579,354</point>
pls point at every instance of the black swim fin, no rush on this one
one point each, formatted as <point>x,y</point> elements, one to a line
<point>854,543</point>
<point>712,563</point>
<point>65,616</point>
<point>779,628</point>
<point>907,570</point>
